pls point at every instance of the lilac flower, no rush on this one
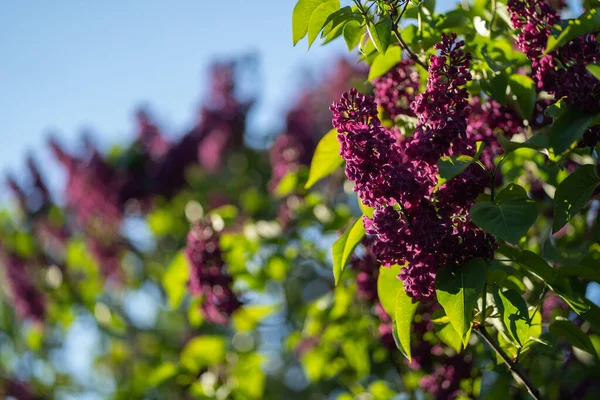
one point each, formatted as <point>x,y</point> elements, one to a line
<point>208,278</point>
<point>28,300</point>
<point>412,224</point>
<point>396,90</point>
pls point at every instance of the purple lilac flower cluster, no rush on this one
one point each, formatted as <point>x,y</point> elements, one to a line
<point>91,198</point>
<point>562,72</point>
<point>396,90</point>
<point>28,300</point>
<point>15,389</point>
<point>295,146</point>
<point>208,278</point>
<point>553,304</point>
<point>411,223</point>
<point>444,382</point>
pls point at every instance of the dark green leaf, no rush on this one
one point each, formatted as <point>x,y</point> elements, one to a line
<point>515,316</point>
<point>509,217</point>
<point>326,158</point>
<point>450,167</point>
<point>568,127</point>
<point>588,22</point>
<point>403,316</point>
<point>524,90</point>
<point>319,18</point>
<point>537,266</point>
<point>538,141</point>
<point>542,270</point>
<point>381,33</point>
<point>568,330</point>
<point>457,290</point>
<point>496,87</point>
<point>344,247</point>
<point>573,194</point>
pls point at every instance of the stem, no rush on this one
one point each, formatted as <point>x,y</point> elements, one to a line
<point>493,16</point>
<point>539,304</point>
<point>483,303</point>
<point>518,372</point>
<point>405,47</point>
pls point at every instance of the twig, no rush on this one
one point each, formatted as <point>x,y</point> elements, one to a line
<point>518,372</point>
<point>405,47</point>
<point>539,303</point>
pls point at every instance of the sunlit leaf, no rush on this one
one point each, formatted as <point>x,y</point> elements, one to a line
<point>404,313</point>
<point>458,289</point>
<point>326,158</point>
<point>344,247</point>
<point>175,279</point>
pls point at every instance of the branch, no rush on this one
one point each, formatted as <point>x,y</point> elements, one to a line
<point>518,372</point>
<point>405,47</point>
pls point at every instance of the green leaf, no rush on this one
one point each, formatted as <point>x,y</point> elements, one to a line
<point>388,285</point>
<point>515,316</point>
<point>446,332</point>
<point>594,69</point>
<point>246,318</point>
<point>568,127</point>
<point>450,167</point>
<point>457,291</point>
<point>301,16</point>
<point>175,279</point>
<point>287,184</point>
<point>381,33</point>
<point>589,22</point>
<point>496,86</point>
<point>538,141</point>
<point>385,62</point>
<point>249,376</point>
<point>326,158</point>
<point>573,193</point>
<point>542,270</point>
<point>161,374</point>
<point>367,211</point>
<point>509,217</point>
<point>403,317</point>
<point>319,18</point>
<point>202,351</point>
<point>581,271</point>
<point>356,353</point>
<point>353,30</point>
<point>524,90</point>
<point>566,329</point>
<point>344,247</point>
<point>537,266</point>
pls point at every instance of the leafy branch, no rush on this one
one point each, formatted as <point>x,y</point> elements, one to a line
<point>516,369</point>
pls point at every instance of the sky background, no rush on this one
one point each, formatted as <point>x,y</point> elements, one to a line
<point>70,65</point>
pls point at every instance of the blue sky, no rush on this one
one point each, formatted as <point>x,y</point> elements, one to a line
<point>70,64</point>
